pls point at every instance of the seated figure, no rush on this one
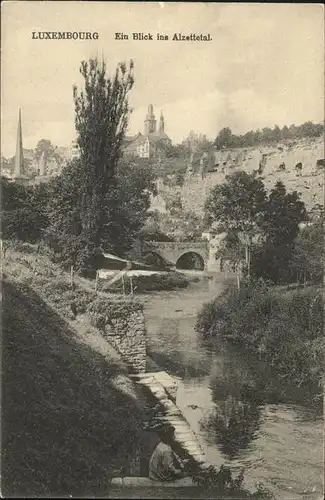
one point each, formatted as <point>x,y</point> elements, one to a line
<point>164,464</point>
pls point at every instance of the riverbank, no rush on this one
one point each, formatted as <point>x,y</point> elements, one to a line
<point>281,328</point>
<point>282,448</point>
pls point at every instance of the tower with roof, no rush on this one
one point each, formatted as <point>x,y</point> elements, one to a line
<point>153,142</point>
<point>150,121</point>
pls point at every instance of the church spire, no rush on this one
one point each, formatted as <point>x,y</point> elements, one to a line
<point>161,123</point>
<point>19,157</point>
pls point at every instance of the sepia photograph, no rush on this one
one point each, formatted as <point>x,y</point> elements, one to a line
<point>162,250</point>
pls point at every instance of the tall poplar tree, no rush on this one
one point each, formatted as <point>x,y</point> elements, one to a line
<point>101,117</point>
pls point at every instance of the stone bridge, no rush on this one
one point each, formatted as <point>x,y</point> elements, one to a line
<point>183,255</point>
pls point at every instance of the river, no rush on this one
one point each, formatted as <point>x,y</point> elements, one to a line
<point>231,404</point>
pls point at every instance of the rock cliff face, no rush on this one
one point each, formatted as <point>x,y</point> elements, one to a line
<point>299,165</point>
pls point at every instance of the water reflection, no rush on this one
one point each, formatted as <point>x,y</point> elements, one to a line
<point>241,411</point>
<point>179,354</point>
<point>232,425</point>
<point>240,390</point>
<point>234,421</point>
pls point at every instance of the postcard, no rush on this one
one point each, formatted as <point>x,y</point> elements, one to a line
<point>162,249</point>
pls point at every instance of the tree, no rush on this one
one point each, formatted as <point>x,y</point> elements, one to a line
<point>308,255</point>
<point>267,134</point>
<point>102,113</point>
<point>65,235</point>
<point>189,227</point>
<point>280,224</point>
<point>276,133</point>
<point>285,133</point>
<point>91,215</point>
<point>236,207</point>
<point>224,139</point>
<point>46,150</point>
<point>135,187</point>
<point>44,147</point>
<point>24,211</point>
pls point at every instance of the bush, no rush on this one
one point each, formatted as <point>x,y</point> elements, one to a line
<point>24,211</point>
<point>282,327</point>
<point>68,425</point>
<point>152,283</point>
<point>103,312</point>
<point>221,484</point>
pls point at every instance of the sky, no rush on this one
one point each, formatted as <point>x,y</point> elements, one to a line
<point>264,65</point>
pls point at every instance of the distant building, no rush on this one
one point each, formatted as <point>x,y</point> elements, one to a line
<point>26,167</point>
<point>153,142</point>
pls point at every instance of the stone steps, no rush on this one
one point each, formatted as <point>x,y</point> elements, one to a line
<point>184,436</point>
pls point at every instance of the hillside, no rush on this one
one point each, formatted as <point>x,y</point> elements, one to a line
<point>70,415</point>
<point>280,162</point>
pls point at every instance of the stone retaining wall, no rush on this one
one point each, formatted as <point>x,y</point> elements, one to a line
<point>122,323</point>
<point>129,338</point>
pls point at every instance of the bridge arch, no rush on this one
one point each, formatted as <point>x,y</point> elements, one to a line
<point>190,260</point>
<point>153,258</point>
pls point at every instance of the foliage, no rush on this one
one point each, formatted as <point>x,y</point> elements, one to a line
<point>174,167</point>
<point>221,483</point>
<point>185,226</point>
<point>189,227</point>
<point>226,139</point>
<point>308,255</point>
<point>135,186</point>
<point>232,425</point>
<point>102,112</point>
<point>65,235</point>
<point>260,229</point>
<point>103,312</point>
<point>100,200</point>
<point>68,426</point>
<point>151,231</point>
<point>236,206</point>
<point>44,148</point>
<point>280,224</point>
<point>153,283</point>
<point>178,151</point>
<point>46,151</point>
<point>284,328</point>
<point>174,203</point>
<point>237,203</point>
<point>24,211</point>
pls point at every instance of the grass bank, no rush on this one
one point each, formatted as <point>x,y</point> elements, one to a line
<point>71,417</point>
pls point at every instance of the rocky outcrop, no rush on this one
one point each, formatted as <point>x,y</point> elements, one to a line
<point>278,162</point>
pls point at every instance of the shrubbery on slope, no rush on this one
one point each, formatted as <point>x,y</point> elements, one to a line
<point>66,425</point>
